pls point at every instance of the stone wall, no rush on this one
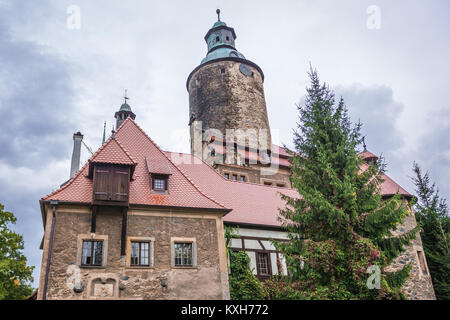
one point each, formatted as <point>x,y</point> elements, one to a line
<point>419,286</point>
<point>117,280</point>
<point>223,98</point>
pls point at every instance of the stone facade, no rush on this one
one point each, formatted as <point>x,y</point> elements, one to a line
<point>116,279</point>
<point>419,286</point>
<point>222,97</point>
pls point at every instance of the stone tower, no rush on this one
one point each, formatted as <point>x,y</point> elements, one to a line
<point>227,107</point>
<point>226,90</point>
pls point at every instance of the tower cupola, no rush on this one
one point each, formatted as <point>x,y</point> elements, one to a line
<point>124,112</point>
<point>220,40</point>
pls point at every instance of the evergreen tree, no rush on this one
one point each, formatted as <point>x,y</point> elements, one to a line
<point>340,225</point>
<point>14,272</point>
<point>432,213</point>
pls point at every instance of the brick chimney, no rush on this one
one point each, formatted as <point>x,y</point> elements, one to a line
<point>75,166</point>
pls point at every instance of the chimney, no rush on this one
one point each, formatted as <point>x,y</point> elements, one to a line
<point>77,138</point>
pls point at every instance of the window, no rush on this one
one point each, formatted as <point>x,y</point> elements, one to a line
<point>111,183</point>
<point>422,262</point>
<point>183,254</point>
<point>222,71</point>
<point>234,177</point>
<point>242,178</point>
<point>266,183</point>
<point>217,39</point>
<point>228,38</point>
<point>263,263</point>
<point>227,176</point>
<point>159,183</point>
<point>281,185</point>
<point>140,254</point>
<point>92,253</point>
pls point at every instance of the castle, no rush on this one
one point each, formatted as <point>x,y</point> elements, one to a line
<point>137,222</point>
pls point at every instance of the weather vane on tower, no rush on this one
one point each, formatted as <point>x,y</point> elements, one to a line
<point>126,97</point>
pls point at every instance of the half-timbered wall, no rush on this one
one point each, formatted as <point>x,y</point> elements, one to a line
<point>257,241</point>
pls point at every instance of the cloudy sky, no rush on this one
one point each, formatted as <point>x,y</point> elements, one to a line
<point>56,79</point>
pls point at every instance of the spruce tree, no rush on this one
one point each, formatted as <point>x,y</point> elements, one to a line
<point>340,225</point>
<point>432,213</point>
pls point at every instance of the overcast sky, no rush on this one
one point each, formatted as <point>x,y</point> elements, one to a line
<point>55,80</point>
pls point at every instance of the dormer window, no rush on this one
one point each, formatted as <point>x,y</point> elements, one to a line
<point>111,184</point>
<point>159,183</point>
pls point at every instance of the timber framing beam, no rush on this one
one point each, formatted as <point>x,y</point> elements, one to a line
<point>123,238</point>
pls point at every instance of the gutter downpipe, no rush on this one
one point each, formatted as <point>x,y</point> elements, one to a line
<point>53,204</point>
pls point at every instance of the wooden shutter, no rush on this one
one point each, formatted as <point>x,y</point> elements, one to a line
<point>102,188</point>
<point>120,183</point>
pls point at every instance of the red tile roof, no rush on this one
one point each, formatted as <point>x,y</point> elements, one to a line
<point>367,155</point>
<point>112,152</point>
<point>192,183</point>
<point>181,192</point>
<point>251,203</point>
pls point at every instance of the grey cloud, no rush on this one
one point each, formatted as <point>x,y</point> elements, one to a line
<point>433,150</point>
<point>37,110</point>
<point>378,112</point>
<point>36,102</point>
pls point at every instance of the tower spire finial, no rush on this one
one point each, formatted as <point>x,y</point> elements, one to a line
<point>218,14</point>
<point>364,143</point>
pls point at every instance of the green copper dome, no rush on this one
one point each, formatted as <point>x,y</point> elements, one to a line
<point>125,107</point>
<point>219,24</point>
<point>220,40</point>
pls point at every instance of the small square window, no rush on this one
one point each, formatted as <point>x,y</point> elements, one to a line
<point>234,177</point>
<point>222,71</point>
<point>242,178</point>
<point>183,254</point>
<point>159,183</point>
<point>92,253</point>
<point>227,176</point>
<point>140,254</point>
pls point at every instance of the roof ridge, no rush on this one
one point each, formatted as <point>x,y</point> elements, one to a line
<point>165,155</point>
<point>110,139</point>
<point>398,185</point>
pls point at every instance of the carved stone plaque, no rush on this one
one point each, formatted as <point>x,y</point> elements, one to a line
<point>103,290</point>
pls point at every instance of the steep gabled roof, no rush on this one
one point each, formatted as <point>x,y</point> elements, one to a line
<point>112,152</point>
<point>134,145</point>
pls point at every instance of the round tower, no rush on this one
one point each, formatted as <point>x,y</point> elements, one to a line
<point>226,90</point>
